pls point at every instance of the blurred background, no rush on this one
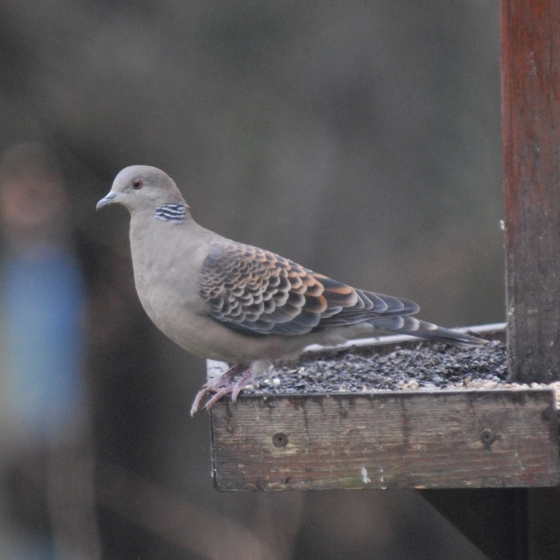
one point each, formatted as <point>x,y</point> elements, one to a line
<point>361,139</point>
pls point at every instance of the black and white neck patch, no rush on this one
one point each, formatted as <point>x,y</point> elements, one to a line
<point>171,212</point>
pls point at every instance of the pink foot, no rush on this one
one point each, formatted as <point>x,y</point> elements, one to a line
<point>222,386</point>
<point>234,389</point>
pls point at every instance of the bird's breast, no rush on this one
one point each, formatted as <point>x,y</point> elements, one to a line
<point>166,265</point>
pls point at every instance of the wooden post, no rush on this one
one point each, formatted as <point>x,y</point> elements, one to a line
<point>531,133</point>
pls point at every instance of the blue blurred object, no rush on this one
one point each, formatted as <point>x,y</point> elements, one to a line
<point>44,299</point>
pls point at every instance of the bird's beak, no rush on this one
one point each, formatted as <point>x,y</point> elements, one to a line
<point>109,199</point>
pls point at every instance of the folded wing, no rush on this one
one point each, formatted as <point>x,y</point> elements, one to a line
<point>260,293</point>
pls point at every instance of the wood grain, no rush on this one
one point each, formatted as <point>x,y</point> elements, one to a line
<point>387,440</point>
<point>531,133</point>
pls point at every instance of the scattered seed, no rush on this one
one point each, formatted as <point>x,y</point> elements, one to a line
<point>424,366</point>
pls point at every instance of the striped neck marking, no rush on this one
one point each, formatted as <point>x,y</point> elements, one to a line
<point>171,212</point>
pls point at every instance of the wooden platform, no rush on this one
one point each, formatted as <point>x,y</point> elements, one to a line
<point>443,439</point>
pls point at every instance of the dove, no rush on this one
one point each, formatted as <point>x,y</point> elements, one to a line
<point>227,301</point>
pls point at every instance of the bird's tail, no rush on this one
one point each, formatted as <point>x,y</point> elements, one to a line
<point>422,329</point>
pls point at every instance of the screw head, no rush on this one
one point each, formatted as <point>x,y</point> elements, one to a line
<point>280,439</point>
<point>487,437</point>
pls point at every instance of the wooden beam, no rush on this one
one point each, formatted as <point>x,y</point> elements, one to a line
<point>531,133</point>
<point>460,439</point>
<point>505,523</point>
<point>493,519</point>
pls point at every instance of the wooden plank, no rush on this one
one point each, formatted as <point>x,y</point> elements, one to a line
<point>531,133</point>
<point>442,439</point>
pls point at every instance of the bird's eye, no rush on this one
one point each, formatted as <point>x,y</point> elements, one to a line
<point>137,184</point>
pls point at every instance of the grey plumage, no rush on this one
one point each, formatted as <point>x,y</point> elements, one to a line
<point>240,304</point>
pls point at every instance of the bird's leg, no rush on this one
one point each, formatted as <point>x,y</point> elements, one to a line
<point>221,386</point>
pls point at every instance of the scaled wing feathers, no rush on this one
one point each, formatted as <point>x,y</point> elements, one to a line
<point>260,293</point>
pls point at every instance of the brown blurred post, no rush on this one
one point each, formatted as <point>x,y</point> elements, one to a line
<point>531,132</point>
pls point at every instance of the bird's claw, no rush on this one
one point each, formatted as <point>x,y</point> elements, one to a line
<point>219,394</point>
<point>221,387</point>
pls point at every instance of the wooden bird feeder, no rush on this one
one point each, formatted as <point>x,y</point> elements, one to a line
<point>487,459</point>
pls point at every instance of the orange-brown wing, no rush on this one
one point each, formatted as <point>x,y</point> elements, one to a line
<point>260,293</point>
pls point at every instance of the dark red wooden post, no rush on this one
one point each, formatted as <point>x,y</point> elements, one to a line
<point>531,133</point>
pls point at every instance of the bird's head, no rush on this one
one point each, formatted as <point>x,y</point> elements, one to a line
<point>141,187</point>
